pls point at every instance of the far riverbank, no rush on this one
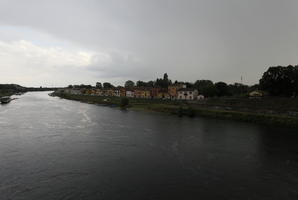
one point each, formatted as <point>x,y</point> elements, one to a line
<point>261,111</point>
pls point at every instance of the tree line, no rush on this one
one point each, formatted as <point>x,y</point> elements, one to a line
<point>205,87</point>
<point>276,81</point>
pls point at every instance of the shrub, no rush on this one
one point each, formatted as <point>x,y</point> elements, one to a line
<point>124,102</point>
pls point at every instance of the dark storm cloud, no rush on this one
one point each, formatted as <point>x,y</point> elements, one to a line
<point>192,39</point>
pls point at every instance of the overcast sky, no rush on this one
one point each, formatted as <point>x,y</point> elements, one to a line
<point>61,42</point>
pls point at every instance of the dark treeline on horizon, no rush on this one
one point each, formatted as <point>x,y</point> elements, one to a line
<point>9,89</point>
<point>206,87</point>
<point>281,81</point>
<point>276,81</point>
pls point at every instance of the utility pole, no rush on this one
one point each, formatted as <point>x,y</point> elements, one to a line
<point>241,85</point>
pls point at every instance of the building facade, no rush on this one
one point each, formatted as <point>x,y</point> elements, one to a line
<point>142,93</point>
<point>163,94</point>
<point>187,94</point>
<point>130,93</point>
<point>173,90</point>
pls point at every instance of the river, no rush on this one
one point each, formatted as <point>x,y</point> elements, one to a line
<point>51,148</point>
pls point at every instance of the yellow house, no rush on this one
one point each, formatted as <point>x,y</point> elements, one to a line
<point>173,90</point>
<point>142,93</point>
<point>110,92</point>
<point>107,92</point>
<point>98,92</point>
<point>163,94</point>
<point>90,92</point>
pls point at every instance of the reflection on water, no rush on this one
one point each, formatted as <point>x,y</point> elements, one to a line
<point>52,148</point>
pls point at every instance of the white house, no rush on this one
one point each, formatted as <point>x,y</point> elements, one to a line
<point>130,93</point>
<point>187,94</point>
<point>200,97</point>
<point>117,92</point>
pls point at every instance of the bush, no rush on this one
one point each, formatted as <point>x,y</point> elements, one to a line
<point>124,102</point>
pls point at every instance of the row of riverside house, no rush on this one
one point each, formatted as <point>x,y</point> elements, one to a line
<point>173,92</point>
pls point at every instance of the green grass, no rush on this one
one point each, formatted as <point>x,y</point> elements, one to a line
<point>277,104</point>
<point>252,109</point>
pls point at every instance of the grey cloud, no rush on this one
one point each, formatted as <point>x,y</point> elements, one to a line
<point>193,39</point>
<point>121,67</point>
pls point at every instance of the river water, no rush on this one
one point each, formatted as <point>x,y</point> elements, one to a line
<point>51,148</point>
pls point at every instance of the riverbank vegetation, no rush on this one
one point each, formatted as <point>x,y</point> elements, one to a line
<point>279,111</point>
<point>276,105</point>
<point>11,89</point>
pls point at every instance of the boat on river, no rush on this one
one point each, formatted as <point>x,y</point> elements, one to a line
<point>5,99</point>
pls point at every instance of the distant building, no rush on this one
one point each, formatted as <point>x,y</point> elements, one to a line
<point>93,91</point>
<point>143,93</point>
<point>154,92</point>
<point>187,94</point>
<point>256,94</point>
<point>98,92</point>
<point>110,92</point>
<point>163,94</point>
<point>104,92</point>
<point>89,91</point>
<point>107,92</point>
<point>122,91</point>
<point>130,93</point>
<point>173,90</point>
<point>200,97</point>
<point>117,92</point>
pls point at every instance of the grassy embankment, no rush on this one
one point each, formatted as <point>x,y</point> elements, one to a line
<point>272,111</point>
<point>10,89</point>
<point>4,93</point>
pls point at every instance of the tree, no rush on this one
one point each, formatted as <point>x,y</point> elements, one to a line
<point>201,84</point>
<point>83,86</point>
<point>150,83</point>
<point>209,91</point>
<point>163,83</point>
<point>205,87</point>
<point>98,85</point>
<point>189,85</point>
<point>124,102</point>
<point>159,83</point>
<point>280,81</point>
<point>142,84</point>
<point>129,84</point>
<point>165,77</point>
<point>222,89</point>
<point>238,89</point>
<point>107,85</point>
